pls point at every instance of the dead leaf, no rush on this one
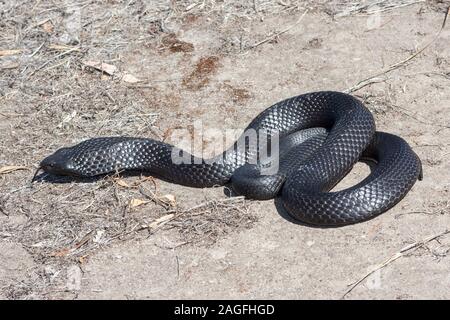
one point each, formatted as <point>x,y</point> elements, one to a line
<point>169,198</point>
<point>12,52</point>
<point>12,65</point>
<point>161,220</point>
<point>62,47</point>
<point>83,259</point>
<point>137,202</point>
<point>122,183</point>
<point>9,169</point>
<point>47,26</point>
<point>130,78</point>
<point>61,253</point>
<point>101,66</point>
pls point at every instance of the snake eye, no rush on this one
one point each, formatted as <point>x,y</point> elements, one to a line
<point>50,164</point>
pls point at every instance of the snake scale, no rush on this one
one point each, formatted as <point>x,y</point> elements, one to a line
<point>321,136</point>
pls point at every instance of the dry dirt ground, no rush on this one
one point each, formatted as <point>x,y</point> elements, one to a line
<point>169,63</point>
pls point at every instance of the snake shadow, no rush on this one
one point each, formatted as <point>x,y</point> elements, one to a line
<point>51,178</point>
<point>229,192</point>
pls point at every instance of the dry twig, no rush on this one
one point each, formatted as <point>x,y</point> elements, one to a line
<point>372,78</point>
<point>274,36</point>
<point>408,249</point>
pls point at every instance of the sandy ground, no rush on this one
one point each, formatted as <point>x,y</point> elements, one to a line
<point>221,62</point>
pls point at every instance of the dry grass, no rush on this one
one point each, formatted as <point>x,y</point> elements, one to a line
<point>50,98</point>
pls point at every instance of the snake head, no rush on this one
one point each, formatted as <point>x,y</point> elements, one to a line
<point>95,157</point>
<point>59,163</point>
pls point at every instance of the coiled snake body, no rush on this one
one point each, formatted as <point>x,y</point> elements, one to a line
<point>322,135</point>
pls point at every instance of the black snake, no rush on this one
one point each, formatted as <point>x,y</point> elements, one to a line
<point>321,136</point>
